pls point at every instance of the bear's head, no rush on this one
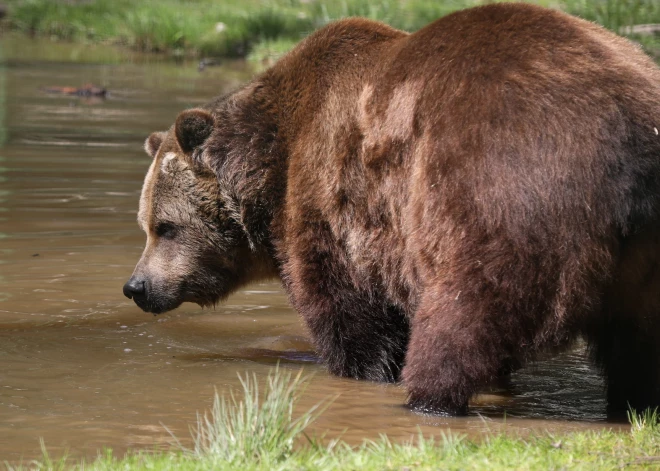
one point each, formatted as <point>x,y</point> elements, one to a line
<point>197,249</point>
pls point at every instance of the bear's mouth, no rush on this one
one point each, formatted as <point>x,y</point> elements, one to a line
<point>160,304</point>
<point>155,305</point>
<point>159,298</point>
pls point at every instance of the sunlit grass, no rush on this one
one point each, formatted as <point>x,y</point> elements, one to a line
<point>245,427</point>
<point>621,16</point>
<point>238,28</point>
<point>616,15</point>
<point>646,421</point>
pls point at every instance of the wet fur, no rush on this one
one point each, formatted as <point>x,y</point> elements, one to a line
<point>455,200</point>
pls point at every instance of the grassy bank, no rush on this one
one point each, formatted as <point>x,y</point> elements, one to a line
<point>263,28</point>
<point>249,431</point>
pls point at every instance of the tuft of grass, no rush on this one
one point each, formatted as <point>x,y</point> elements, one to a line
<point>46,462</point>
<point>159,30</point>
<point>247,428</point>
<point>644,422</point>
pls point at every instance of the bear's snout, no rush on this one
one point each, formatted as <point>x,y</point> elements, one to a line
<point>135,288</point>
<point>150,297</point>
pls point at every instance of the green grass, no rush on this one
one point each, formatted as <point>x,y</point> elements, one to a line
<point>261,28</point>
<point>253,431</point>
<point>621,16</point>
<point>239,430</point>
<point>616,15</point>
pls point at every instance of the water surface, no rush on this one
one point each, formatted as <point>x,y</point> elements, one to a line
<point>81,366</point>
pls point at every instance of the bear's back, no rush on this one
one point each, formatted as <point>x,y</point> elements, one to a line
<point>504,36</point>
<point>506,118</point>
<point>523,113</point>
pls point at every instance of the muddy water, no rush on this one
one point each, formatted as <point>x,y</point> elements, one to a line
<point>81,366</point>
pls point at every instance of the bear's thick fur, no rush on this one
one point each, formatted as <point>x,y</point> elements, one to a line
<point>440,206</point>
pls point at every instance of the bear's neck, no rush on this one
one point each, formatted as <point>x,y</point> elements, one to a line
<point>266,122</point>
<point>248,156</point>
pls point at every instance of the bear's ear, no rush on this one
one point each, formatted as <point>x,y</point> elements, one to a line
<point>153,143</point>
<point>192,128</point>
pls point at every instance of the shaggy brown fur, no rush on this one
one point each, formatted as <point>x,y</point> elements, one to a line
<point>453,200</point>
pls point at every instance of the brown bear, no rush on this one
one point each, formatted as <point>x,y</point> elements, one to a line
<point>440,206</point>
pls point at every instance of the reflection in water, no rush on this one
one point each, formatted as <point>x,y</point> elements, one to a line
<point>83,368</point>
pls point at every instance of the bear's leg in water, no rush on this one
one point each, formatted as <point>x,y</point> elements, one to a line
<point>625,337</point>
<point>355,331</point>
<point>459,343</point>
<point>448,360</point>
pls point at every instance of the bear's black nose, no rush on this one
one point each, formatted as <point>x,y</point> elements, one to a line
<point>134,288</point>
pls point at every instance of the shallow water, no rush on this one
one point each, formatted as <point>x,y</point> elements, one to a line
<point>81,366</point>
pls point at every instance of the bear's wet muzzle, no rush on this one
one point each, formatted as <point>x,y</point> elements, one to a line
<point>148,298</point>
<point>135,288</point>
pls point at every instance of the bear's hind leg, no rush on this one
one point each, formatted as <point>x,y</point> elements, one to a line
<point>629,354</point>
<point>453,351</point>
<point>625,337</point>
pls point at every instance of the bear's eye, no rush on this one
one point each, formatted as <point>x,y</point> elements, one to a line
<point>166,230</point>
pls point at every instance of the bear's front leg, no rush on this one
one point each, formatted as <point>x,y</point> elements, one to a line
<point>355,331</point>
<point>358,337</point>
